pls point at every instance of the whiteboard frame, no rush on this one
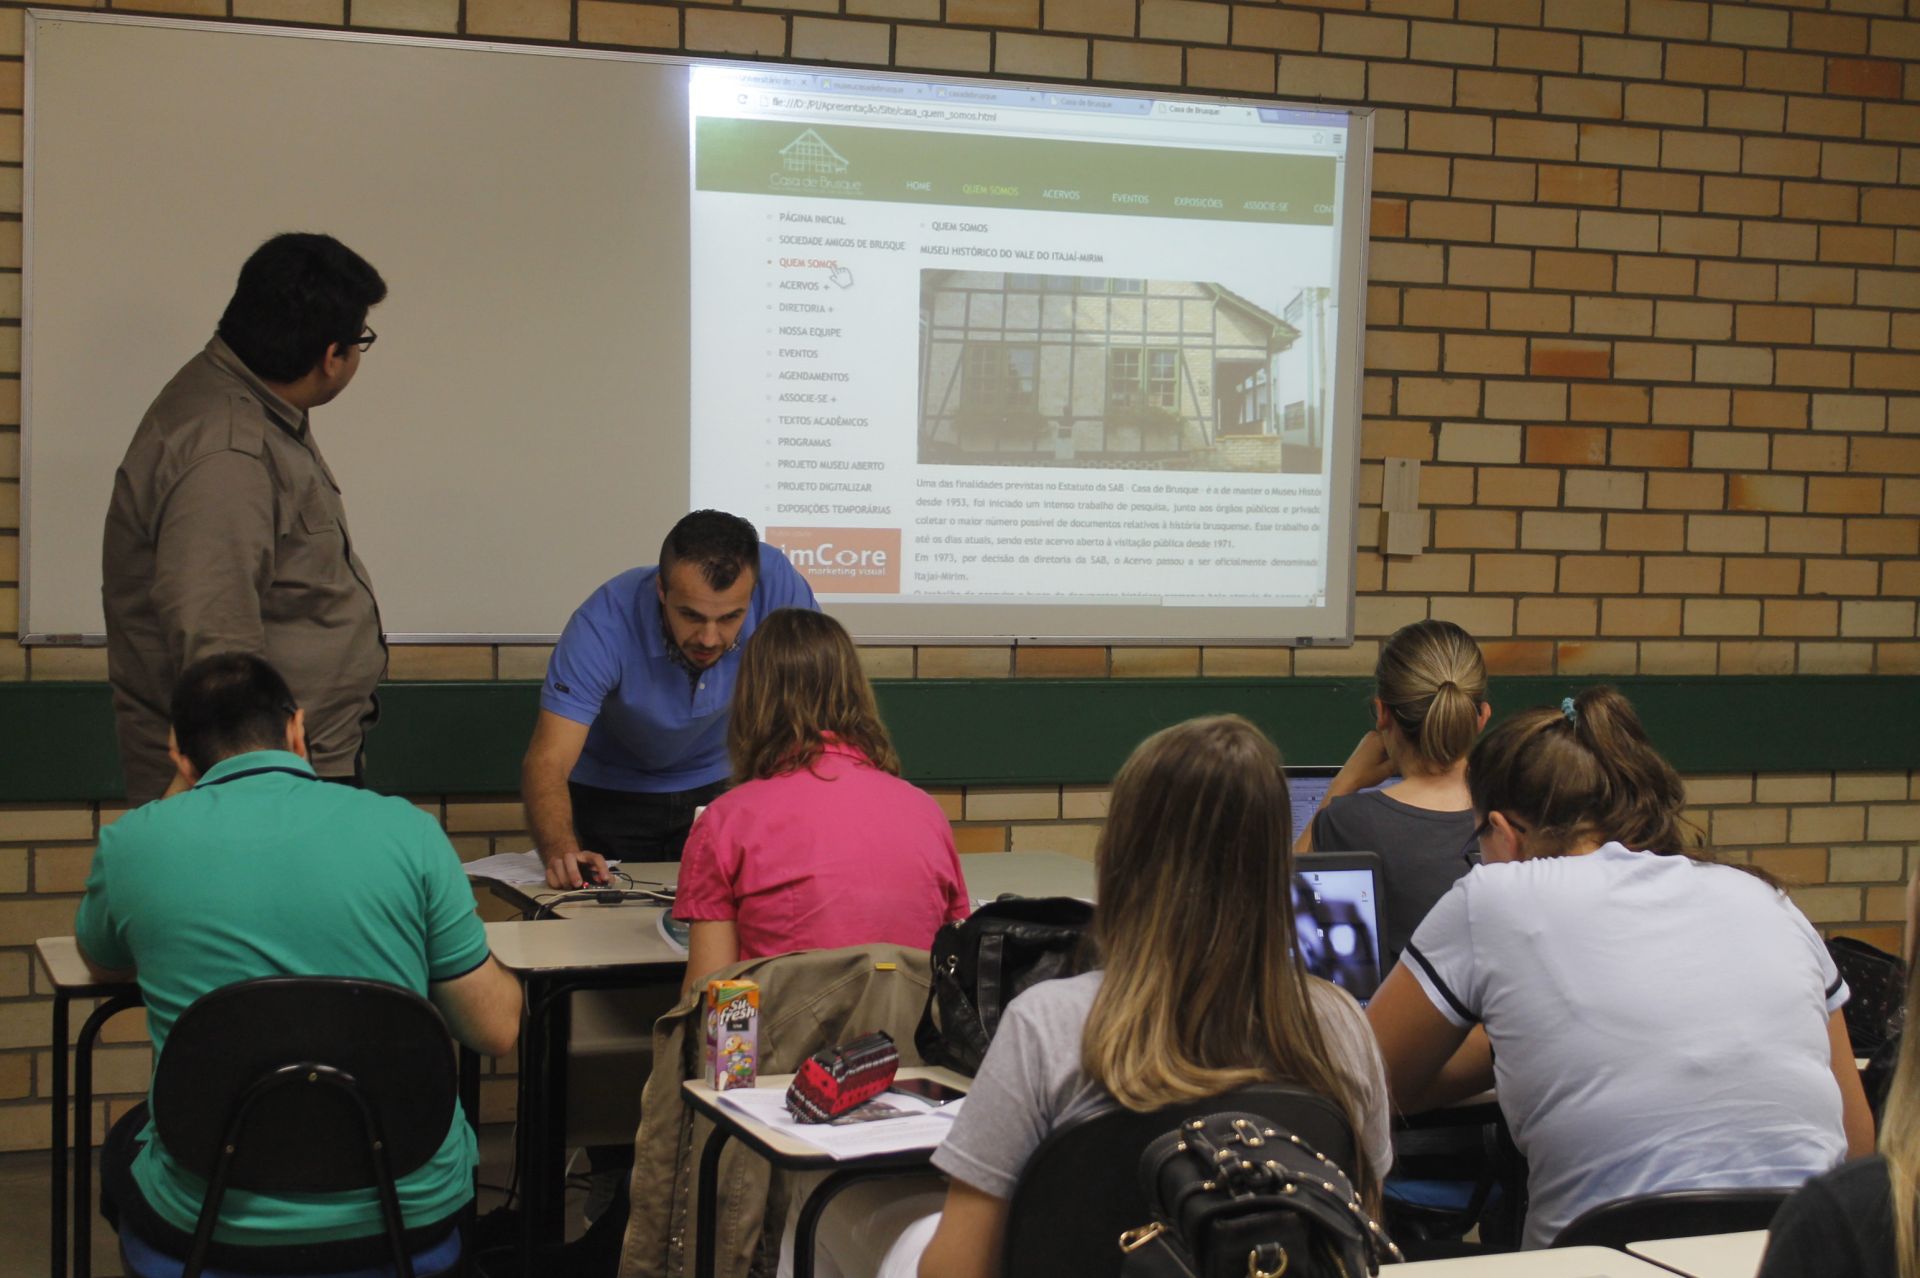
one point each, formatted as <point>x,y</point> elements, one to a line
<point>1343,496</point>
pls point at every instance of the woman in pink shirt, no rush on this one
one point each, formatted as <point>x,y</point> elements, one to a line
<point>820,844</point>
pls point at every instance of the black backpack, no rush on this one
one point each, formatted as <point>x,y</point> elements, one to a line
<point>982,961</point>
<point>1236,1194</point>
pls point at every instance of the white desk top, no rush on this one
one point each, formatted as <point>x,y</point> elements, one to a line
<point>61,956</point>
<point>702,1094</point>
<point>991,874</point>
<point>1564,1262</point>
<point>627,937</point>
<point>1712,1256</point>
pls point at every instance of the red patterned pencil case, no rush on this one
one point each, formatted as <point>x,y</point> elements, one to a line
<point>837,1079</point>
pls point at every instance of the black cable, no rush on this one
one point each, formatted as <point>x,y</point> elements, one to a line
<point>545,905</point>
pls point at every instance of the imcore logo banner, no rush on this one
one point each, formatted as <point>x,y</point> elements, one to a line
<point>843,560</point>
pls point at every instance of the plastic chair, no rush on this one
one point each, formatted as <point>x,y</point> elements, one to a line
<point>305,1085</point>
<point>1081,1189</point>
<point>1676,1213</point>
<point>1455,1171</point>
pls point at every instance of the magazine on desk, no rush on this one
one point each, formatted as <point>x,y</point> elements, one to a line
<point>920,1124</point>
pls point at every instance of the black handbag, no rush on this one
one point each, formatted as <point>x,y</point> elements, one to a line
<point>1237,1196</point>
<point>982,961</point>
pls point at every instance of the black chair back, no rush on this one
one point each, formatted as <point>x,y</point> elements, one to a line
<point>390,1040</point>
<point>300,1085</point>
<point>1677,1213</point>
<point>1081,1189</point>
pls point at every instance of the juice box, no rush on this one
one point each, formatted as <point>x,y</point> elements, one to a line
<point>733,1033</point>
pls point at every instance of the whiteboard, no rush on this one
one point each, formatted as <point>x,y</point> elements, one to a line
<point>520,433</point>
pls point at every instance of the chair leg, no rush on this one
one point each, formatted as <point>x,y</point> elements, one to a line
<point>216,1193</point>
<point>382,1168</point>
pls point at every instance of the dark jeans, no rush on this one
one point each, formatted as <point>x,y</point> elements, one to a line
<point>627,826</point>
<point>126,1209</point>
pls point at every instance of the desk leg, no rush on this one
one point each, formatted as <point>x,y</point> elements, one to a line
<point>83,1130</point>
<point>61,1191</point>
<point>707,1212</point>
<point>470,1106</point>
<point>470,1086</point>
<point>824,1193</point>
<point>527,1110</point>
<point>543,1121</point>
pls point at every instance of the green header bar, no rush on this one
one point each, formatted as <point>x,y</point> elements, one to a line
<point>902,166</point>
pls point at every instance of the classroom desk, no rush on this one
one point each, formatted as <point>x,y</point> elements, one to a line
<point>620,947</point>
<point>71,979</point>
<point>1711,1256</point>
<point>1561,1262</point>
<point>788,1154</point>
<point>988,875</point>
<point>615,949</point>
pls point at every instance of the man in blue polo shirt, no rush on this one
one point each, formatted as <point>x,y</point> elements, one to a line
<point>632,734</point>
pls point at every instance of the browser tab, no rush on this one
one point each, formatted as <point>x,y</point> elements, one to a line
<point>1104,106</point>
<point>997,97</point>
<point>875,88</point>
<point>1223,112</point>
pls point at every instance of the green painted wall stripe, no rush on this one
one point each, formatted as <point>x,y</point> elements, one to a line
<point>467,738</point>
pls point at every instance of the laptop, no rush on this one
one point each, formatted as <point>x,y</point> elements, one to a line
<point>1338,919</point>
<point>1305,788</point>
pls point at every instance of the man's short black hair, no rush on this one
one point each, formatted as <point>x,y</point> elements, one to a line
<point>298,295</point>
<point>228,704</point>
<point>723,545</point>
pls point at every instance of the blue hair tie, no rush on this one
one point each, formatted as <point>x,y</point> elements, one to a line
<point>1567,708</point>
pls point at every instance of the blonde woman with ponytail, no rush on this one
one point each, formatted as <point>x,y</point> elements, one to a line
<point>1199,989</point>
<point>1430,703</point>
<point>1657,1020</point>
<point>1862,1219</point>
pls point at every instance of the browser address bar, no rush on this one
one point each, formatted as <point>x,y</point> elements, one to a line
<point>814,106</point>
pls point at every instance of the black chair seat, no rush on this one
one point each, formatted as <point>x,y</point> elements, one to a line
<point>1677,1213</point>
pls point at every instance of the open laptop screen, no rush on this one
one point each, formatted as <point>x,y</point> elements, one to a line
<point>1306,786</point>
<point>1336,916</point>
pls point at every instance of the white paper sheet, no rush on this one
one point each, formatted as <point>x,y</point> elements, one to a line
<point>924,1130</point>
<point>509,867</point>
<point>512,867</point>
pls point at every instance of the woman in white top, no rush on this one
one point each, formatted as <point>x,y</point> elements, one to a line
<point>1200,989</point>
<point>1652,1020</point>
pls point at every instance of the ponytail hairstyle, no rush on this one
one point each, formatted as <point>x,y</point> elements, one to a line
<point>1432,681</point>
<point>1204,990</point>
<point>1583,772</point>
<point>1900,1143</point>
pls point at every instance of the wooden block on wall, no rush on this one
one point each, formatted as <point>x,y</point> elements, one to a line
<point>1403,532</point>
<point>1400,489</point>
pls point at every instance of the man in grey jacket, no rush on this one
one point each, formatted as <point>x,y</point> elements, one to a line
<point>227,533</point>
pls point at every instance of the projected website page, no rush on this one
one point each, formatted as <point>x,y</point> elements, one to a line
<point>971,344</point>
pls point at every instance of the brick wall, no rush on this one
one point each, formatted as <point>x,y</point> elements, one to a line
<point>1643,300</point>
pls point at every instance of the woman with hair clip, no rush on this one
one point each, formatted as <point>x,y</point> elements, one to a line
<point>820,844</point>
<point>1652,1019</point>
<point>1430,702</point>
<point>1199,988</point>
<point>1862,1219</point>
